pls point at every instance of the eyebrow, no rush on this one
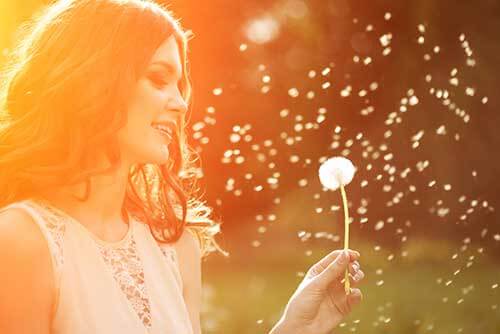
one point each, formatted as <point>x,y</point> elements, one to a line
<point>168,66</point>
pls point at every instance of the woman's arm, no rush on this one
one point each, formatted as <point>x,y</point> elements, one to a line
<point>26,278</point>
<point>189,254</point>
<point>320,302</point>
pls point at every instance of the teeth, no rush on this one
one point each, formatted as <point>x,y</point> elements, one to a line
<point>163,128</point>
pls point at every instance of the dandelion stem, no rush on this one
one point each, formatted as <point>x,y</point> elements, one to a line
<point>346,235</point>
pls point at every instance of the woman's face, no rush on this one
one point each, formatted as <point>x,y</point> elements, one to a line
<point>155,100</point>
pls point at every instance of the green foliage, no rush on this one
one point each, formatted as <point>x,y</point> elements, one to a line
<point>420,292</point>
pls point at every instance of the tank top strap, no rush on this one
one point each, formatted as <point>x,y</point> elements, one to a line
<point>168,251</point>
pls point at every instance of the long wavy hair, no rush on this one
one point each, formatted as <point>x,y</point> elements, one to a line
<point>64,93</point>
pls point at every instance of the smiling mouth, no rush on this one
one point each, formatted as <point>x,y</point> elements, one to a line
<point>164,130</point>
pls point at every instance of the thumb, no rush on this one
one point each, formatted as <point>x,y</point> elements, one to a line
<point>335,270</point>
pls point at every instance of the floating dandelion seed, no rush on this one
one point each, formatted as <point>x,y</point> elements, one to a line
<point>385,40</point>
<point>335,173</point>
<point>293,92</point>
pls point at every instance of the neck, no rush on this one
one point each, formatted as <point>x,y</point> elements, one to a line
<point>102,211</point>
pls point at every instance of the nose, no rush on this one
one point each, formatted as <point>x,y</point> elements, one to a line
<point>177,104</point>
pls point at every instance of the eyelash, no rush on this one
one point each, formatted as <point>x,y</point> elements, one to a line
<point>155,79</point>
<point>159,83</point>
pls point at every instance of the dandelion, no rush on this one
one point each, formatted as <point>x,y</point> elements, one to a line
<point>335,173</point>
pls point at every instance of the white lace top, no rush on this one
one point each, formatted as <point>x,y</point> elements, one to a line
<point>124,263</point>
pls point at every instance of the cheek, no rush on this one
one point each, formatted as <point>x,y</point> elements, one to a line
<point>141,111</point>
<point>144,106</point>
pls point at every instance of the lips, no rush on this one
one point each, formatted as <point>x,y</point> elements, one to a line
<point>165,129</point>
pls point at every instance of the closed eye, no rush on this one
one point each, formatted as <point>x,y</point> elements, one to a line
<point>158,80</point>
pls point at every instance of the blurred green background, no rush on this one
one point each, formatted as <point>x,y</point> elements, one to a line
<point>405,89</point>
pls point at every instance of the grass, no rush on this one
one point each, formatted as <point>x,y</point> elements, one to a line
<point>423,292</point>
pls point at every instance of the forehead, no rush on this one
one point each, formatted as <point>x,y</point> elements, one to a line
<point>168,52</point>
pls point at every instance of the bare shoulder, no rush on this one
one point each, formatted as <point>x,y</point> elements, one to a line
<point>27,279</point>
<point>17,229</point>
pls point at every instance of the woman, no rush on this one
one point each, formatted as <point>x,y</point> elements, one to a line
<point>98,188</point>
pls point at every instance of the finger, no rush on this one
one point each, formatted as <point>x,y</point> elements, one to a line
<point>359,274</point>
<point>358,277</point>
<point>329,258</point>
<point>354,267</point>
<point>321,265</point>
<point>354,280</point>
<point>354,255</point>
<point>333,271</point>
<point>354,298</point>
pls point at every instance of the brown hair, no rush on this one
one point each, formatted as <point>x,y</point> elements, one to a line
<point>64,93</point>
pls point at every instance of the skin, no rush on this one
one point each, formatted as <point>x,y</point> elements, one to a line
<point>156,97</point>
<point>320,303</point>
<point>317,306</point>
<point>28,287</point>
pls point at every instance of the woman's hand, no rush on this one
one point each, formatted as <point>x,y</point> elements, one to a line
<point>320,302</point>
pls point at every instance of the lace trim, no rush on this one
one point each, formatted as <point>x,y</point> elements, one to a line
<point>129,274</point>
<point>56,227</point>
<point>123,261</point>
